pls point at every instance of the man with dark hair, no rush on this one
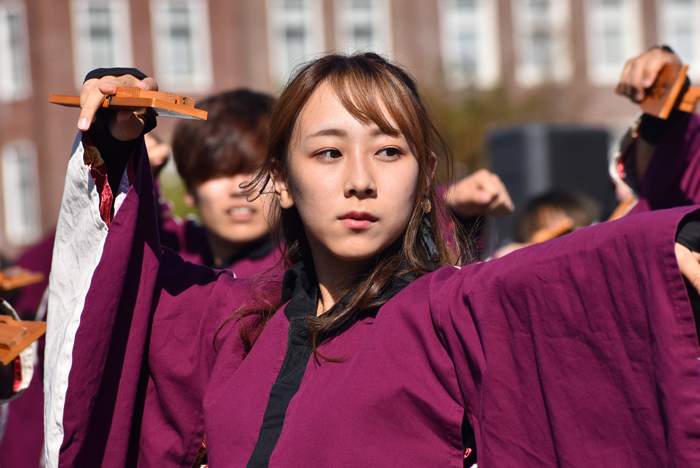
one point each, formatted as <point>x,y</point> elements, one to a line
<point>213,159</point>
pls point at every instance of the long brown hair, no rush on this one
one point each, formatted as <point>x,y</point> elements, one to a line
<point>362,83</point>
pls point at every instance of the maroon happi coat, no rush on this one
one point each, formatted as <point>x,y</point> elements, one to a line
<point>581,351</point>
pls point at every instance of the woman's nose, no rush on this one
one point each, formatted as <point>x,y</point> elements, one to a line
<point>359,180</point>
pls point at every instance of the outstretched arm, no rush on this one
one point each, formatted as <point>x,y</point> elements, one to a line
<point>581,347</point>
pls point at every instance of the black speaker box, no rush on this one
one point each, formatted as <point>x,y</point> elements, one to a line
<point>535,158</point>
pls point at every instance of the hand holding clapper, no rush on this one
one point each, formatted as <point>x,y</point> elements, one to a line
<point>670,92</point>
<point>142,101</point>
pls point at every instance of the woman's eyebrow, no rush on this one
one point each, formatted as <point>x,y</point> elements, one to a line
<point>379,132</point>
<point>342,133</point>
<point>336,132</point>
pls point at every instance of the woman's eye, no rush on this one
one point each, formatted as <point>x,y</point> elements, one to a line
<point>329,154</point>
<point>390,152</point>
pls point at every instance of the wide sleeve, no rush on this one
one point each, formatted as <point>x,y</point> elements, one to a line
<point>129,342</point>
<point>581,351</point>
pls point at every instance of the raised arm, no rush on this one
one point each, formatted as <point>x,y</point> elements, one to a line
<point>102,287</point>
<point>658,160</point>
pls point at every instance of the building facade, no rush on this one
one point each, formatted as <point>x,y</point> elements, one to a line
<point>195,47</point>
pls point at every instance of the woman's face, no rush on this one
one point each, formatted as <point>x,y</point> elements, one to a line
<point>227,214</point>
<point>353,185</point>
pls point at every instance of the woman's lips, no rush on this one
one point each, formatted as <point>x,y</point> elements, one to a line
<point>241,213</point>
<point>358,219</point>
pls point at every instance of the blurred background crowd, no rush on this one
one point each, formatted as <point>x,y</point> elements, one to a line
<point>522,87</point>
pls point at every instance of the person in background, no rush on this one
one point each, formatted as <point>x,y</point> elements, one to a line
<point>549,216</point>
<point>657,162</point>
<point>215,158</point>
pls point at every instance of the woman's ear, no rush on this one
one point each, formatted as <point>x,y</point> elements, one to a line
<point>190,199</point>
<point>432,165</point>
<point>282,190</point>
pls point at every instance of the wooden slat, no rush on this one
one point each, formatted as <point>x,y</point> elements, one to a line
<point>157,102</point>
<point>690,100</point>
<point>670,92</point>
<point>16,336</point>
<point>16,277</point>
<point>662,97</point>
<point>561,227</point>
<point>622,208</point>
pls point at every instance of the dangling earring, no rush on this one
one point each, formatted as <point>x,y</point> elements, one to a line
<point>425,205</point>
<point>426,230</point>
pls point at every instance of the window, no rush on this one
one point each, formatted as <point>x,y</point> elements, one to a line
<point>15,78</point>
<point>363,25</point>
<point>20,193</point>
<point>679,28</point>
<point>296,34</point>
<point>101,35</point>
<point>542,41</point>
<point>470,49</point>
<point>183,47</point>
<point>613,36</point>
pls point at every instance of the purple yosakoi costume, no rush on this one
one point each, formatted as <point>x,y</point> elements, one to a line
<point>581,351</point>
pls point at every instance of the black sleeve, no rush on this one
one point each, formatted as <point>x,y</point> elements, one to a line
<point>688,233</point>
<point>652,129</point>
<point>114,152</point>
<point>7,380</point>
<point>116,71</point>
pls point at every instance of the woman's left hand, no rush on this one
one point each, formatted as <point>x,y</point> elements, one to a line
<point>689,264</point>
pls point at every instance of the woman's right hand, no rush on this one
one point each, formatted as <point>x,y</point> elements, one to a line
<point>124,125</point>
<point>641,72</point>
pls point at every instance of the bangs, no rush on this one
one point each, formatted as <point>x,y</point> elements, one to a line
<point>225,156</point>
<point>369,95</point>
<point>230,165</point>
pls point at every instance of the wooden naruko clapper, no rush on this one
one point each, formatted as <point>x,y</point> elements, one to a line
<point>671,92</point>
<point>142,101</point>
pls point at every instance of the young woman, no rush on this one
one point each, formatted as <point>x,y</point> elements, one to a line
<point>580,351</point>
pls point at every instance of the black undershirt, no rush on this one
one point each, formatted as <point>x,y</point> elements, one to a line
<point>300,288</point>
